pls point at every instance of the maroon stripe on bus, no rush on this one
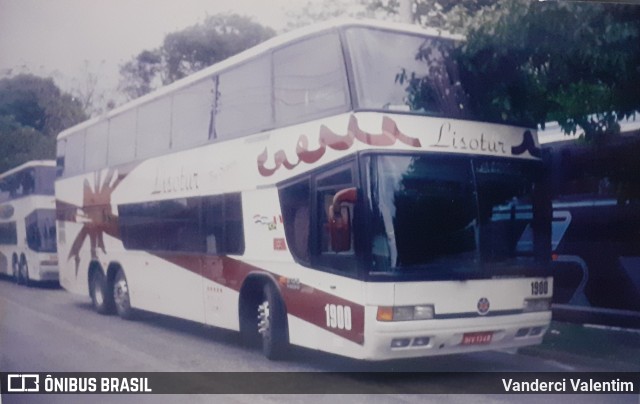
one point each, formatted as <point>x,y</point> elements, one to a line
<point>302,301</point>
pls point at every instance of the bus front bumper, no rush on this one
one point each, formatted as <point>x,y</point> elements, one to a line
<point>408,339</point>
<point>48,271</point>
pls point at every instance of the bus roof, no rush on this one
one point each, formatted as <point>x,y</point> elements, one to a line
<point>28,164</point>
<point>255,51</point>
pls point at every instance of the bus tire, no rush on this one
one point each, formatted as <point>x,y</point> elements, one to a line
<point>23,269</point>
<point>250,298</point>
<point>101,294</point>
<point>249,336</point>
<point>15,269</point>
<point>121,296</point>
<point>272,324</point>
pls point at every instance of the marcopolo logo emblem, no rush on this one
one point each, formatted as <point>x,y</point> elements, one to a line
<point>483,306</point>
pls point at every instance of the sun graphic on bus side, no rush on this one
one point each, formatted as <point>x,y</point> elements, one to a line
<point>96,215</point>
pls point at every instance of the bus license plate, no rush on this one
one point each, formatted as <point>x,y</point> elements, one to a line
<point>477,338</point>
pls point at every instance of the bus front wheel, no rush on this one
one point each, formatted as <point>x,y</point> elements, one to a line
<point>272,324</point>
<point>121,296</point>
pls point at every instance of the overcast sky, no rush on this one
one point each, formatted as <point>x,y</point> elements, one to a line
<point>59,37</point>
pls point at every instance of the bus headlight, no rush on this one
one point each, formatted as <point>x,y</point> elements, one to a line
<point>531,305</point>
<point>405,313</point>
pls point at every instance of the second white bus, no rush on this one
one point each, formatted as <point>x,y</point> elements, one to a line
<point>28,223</point>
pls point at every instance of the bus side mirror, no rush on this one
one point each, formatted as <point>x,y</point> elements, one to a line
<point>340,219</point>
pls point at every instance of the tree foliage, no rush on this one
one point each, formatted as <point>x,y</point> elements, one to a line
<point>24,144</point>
<point>86,89</point>
<point>33,111</point>
<point>142,74</point>
<point>189,50</point>
<point>577,63</point>
<point>449,15</point>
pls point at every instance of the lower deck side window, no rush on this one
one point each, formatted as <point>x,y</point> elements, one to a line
<point>210,224</point>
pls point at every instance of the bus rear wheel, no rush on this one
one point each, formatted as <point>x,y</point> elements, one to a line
<point>15,269</point>
<point>100,293</point>
<point>121,296</point>
<point>23,271</point>
<point>272,324</point>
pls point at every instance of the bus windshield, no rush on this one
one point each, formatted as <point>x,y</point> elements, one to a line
<point>450,215</point>
<point>41,230</point>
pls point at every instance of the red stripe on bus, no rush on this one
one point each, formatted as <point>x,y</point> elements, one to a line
<point>304,302</point>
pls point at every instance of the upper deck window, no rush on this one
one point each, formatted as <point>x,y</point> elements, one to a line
<point>243,104</point>
<point>154,128</point>
<point>122,137</point>
<point>45,178</point>
<point>406,72</point>
<point>192,113</point>
<point>309,79</point>
<point>72,148</point>
<point>29,181</point>
<point>96,146</point>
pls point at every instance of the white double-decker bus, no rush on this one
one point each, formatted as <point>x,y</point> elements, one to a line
<point>328,188</point>
<point>27,222</point>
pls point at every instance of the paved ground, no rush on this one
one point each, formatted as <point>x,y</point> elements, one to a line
<point>591,347</point>
<point>48,330</point>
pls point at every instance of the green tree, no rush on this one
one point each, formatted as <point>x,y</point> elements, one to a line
<point>85,88</point>
<point>449,15</point>
<point>38,103</point>
<point>33,111</point>
<point>23,144</point>
<point>575,63</point>
<point>189,50</point>
<point>142,74</point>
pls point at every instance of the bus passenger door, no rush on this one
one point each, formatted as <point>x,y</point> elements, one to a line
<point>333,255</point>
<point>212,289</point>
<point>222,228</point>
<point>336,197</point>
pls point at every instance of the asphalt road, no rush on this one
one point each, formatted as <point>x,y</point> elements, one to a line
<point>46,329</point>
